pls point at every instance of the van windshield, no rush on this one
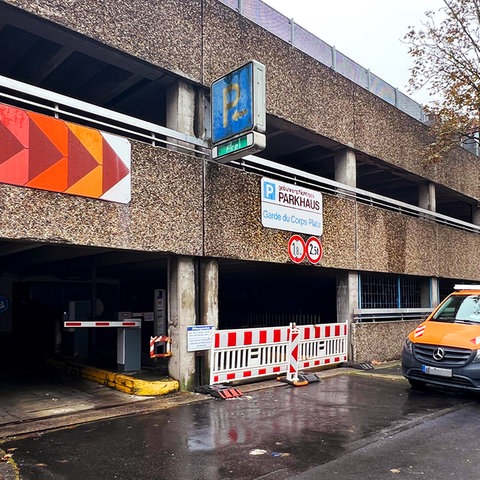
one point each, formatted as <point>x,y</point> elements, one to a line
<point>459,308</point>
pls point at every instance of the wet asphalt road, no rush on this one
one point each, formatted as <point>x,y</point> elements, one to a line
<point>357,426</point>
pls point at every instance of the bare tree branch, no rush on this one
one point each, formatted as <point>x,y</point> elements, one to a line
<point>446,59</point>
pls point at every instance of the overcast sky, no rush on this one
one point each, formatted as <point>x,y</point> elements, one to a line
<point>370,32</point>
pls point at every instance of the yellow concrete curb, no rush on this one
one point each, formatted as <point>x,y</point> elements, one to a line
<point>128,384</point>
<point>8,467</point>
<point>120,381</point>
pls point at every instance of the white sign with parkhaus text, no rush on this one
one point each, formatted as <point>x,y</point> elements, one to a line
<point>292,208</point>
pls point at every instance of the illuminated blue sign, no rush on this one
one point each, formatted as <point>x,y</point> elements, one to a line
<point>238,102</point>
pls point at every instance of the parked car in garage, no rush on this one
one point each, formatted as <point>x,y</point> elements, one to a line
<point>444,350</point>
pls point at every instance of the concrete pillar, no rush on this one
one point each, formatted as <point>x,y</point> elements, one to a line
<point>209,281</point>
<point>429,296</point>
<point>181,314</point>
<point>346,167</point>
<point>476,214</point>
<point>209,309</point>
<point>347,301</point>
<point>427,196</point>
<point>435,292</point>
<point>181,110</point>
<point>426,293</point>
<point>347,295</point>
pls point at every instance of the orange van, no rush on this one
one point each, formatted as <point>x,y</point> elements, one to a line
<point>445,349</point>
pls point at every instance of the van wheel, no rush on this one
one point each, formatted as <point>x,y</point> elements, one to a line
<point>417,384</point>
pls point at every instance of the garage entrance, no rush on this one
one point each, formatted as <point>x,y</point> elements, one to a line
<point>257,294</point>
<point>41,281</point>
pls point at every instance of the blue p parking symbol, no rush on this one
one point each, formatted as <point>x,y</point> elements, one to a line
<point>269,191</point>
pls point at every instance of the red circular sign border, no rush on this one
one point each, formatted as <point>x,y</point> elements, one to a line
<point>292,239</point>
<point>307,243</point>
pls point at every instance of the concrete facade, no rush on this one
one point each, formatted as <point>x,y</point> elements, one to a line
<point>188,208</point>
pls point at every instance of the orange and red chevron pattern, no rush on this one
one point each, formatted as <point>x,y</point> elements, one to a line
<point>50,154</point>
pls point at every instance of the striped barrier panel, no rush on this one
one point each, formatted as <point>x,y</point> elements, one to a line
<point>323,344</point>
<point>245,354</point>
<point>293,351</point>
<point>160,341</point>
<point>248,353</point>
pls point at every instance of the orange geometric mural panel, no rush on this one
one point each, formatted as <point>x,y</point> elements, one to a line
<point>43,152</point>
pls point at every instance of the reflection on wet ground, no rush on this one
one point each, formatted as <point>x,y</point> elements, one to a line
<point>272,433</point>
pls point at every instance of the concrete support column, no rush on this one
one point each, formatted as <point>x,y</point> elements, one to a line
<point>181,109</point>
<point>181,314</point>
<point>427,196</point>
<point>476,215</point>
<point>209,281</point>
<point>427,199</point>
<point>347,295</point>
<point>209,309</point>
<point>347,301</point>
<point>426,292</point>
<point>346,167</point>
<point>435,293</point>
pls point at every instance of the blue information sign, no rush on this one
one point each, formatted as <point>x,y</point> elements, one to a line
<point>232,104</point>
<point>3,304</point>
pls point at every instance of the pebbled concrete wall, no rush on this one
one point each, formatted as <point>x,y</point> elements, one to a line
<point>172,210</point>
<point>160,216</point>
<point>379,341</point>
<point>307,93</point>
<point>202,39</point>
<point>356,236</point>
<point>166,33</point>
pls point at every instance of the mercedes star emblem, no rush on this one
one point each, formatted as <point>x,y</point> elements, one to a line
<point>438,354</point>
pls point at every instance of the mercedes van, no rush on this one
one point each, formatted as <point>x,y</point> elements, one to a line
<point>444,350</point>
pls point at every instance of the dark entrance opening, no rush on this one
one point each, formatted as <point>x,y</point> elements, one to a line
<point>41,281</point>
<point>257,294</point>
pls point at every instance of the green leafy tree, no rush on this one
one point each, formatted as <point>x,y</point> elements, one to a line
<point>446,56</point>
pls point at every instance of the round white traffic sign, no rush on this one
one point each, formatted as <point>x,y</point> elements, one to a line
<point>314,249</point>
<point>296,248</point>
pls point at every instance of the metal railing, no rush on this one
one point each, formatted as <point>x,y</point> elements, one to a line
<point>61,106</point>
<point>286,29</point>
<point>261,166</point>
<point>390,314</point>
<point>71,109</point>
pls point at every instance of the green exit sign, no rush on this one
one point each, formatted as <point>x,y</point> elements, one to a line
<point>233,146</point>
<point>247,144</point>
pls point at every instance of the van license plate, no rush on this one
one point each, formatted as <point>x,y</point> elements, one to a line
<point>440,372</point>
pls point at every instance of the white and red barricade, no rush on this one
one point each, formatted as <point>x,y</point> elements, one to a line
<point>293,350</point>
<point>257,352</point>
<point>163,342</point>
